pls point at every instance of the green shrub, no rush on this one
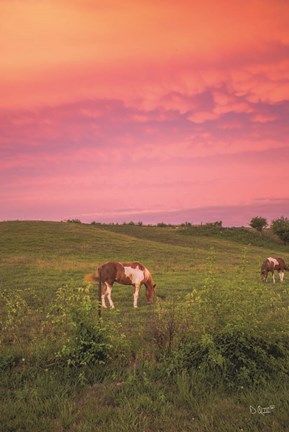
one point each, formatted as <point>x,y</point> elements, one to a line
<point>259,223</point>
<point>281,228</point>
<point>14,311</point>
<point>85,339</point>
<point>239,359</point>
<point>88,345</point>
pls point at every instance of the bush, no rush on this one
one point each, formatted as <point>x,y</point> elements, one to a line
<point>89,345</point>
<point>239,359</point>
<point>281,228</point>
<point>258,223</point>
<point>14,312</point>
<point>85,339</point>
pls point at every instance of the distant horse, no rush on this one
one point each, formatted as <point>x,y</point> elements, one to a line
<point>270,265</point>
<point>133,273</point>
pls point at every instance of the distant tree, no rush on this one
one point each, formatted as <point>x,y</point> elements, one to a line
<point>129,223</point>
<point>218,224</point>
<point>259,223</point>
<point>281,228</point>
<point>186,224</point>
<point>78,221</point>
<point>161,224</point>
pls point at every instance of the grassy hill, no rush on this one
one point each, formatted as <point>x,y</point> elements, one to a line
<point>208,293</point>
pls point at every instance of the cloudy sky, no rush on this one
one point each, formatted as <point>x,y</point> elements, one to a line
<point>147,110</point>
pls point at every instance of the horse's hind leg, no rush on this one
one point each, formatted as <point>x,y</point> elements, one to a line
<point>273,277</point>
<point>281,275</point>
<point>103,293</point>
<point>108,293</point>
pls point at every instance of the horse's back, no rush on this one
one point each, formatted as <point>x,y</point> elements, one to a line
<point>108,270</point>
<point>274,264</point>
<point>134,265</point>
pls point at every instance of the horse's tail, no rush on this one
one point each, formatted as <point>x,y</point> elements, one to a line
<point>91,277</point>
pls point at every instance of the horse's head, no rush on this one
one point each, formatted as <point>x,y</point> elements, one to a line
<point>150,291</point>
<point>263,275</point>
<point>264,272</point>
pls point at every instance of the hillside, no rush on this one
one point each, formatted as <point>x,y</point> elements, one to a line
<point>65,251</point>
<point>37,258</point>
<point>186,234</point>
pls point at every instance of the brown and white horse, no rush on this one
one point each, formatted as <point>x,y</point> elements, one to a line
<point>270,265</point>
<point>133,273</point>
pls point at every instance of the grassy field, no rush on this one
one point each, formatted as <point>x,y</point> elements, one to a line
<point>212,348</point>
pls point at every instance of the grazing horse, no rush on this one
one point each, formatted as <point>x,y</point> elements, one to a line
<point>133,273</point>
<point>270,265</point>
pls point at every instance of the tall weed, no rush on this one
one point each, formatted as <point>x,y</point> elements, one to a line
<point>14,311</point>
<point>85,339</point>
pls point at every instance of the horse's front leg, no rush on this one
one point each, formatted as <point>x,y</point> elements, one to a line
<point>273,277</point>
<point>135,295</point>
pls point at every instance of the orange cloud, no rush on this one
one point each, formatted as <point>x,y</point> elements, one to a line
<point>57,51</point>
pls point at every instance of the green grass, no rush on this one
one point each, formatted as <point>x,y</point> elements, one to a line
<point>136,390</point>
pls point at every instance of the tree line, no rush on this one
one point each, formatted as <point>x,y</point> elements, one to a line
<point>279,226</point>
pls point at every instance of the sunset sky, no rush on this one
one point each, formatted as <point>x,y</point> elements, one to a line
<point>144,110</point>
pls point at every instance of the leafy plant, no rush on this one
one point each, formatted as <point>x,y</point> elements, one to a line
<point>89,345</point>
<point>281,228</point>
<point>239,359</point>
<point>259,223</point>
<point>86,339</point>
<point>15,310</point>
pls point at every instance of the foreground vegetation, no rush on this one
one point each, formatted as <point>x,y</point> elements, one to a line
<point>212,349</point>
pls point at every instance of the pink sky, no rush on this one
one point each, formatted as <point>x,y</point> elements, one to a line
<point>148,110</point>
